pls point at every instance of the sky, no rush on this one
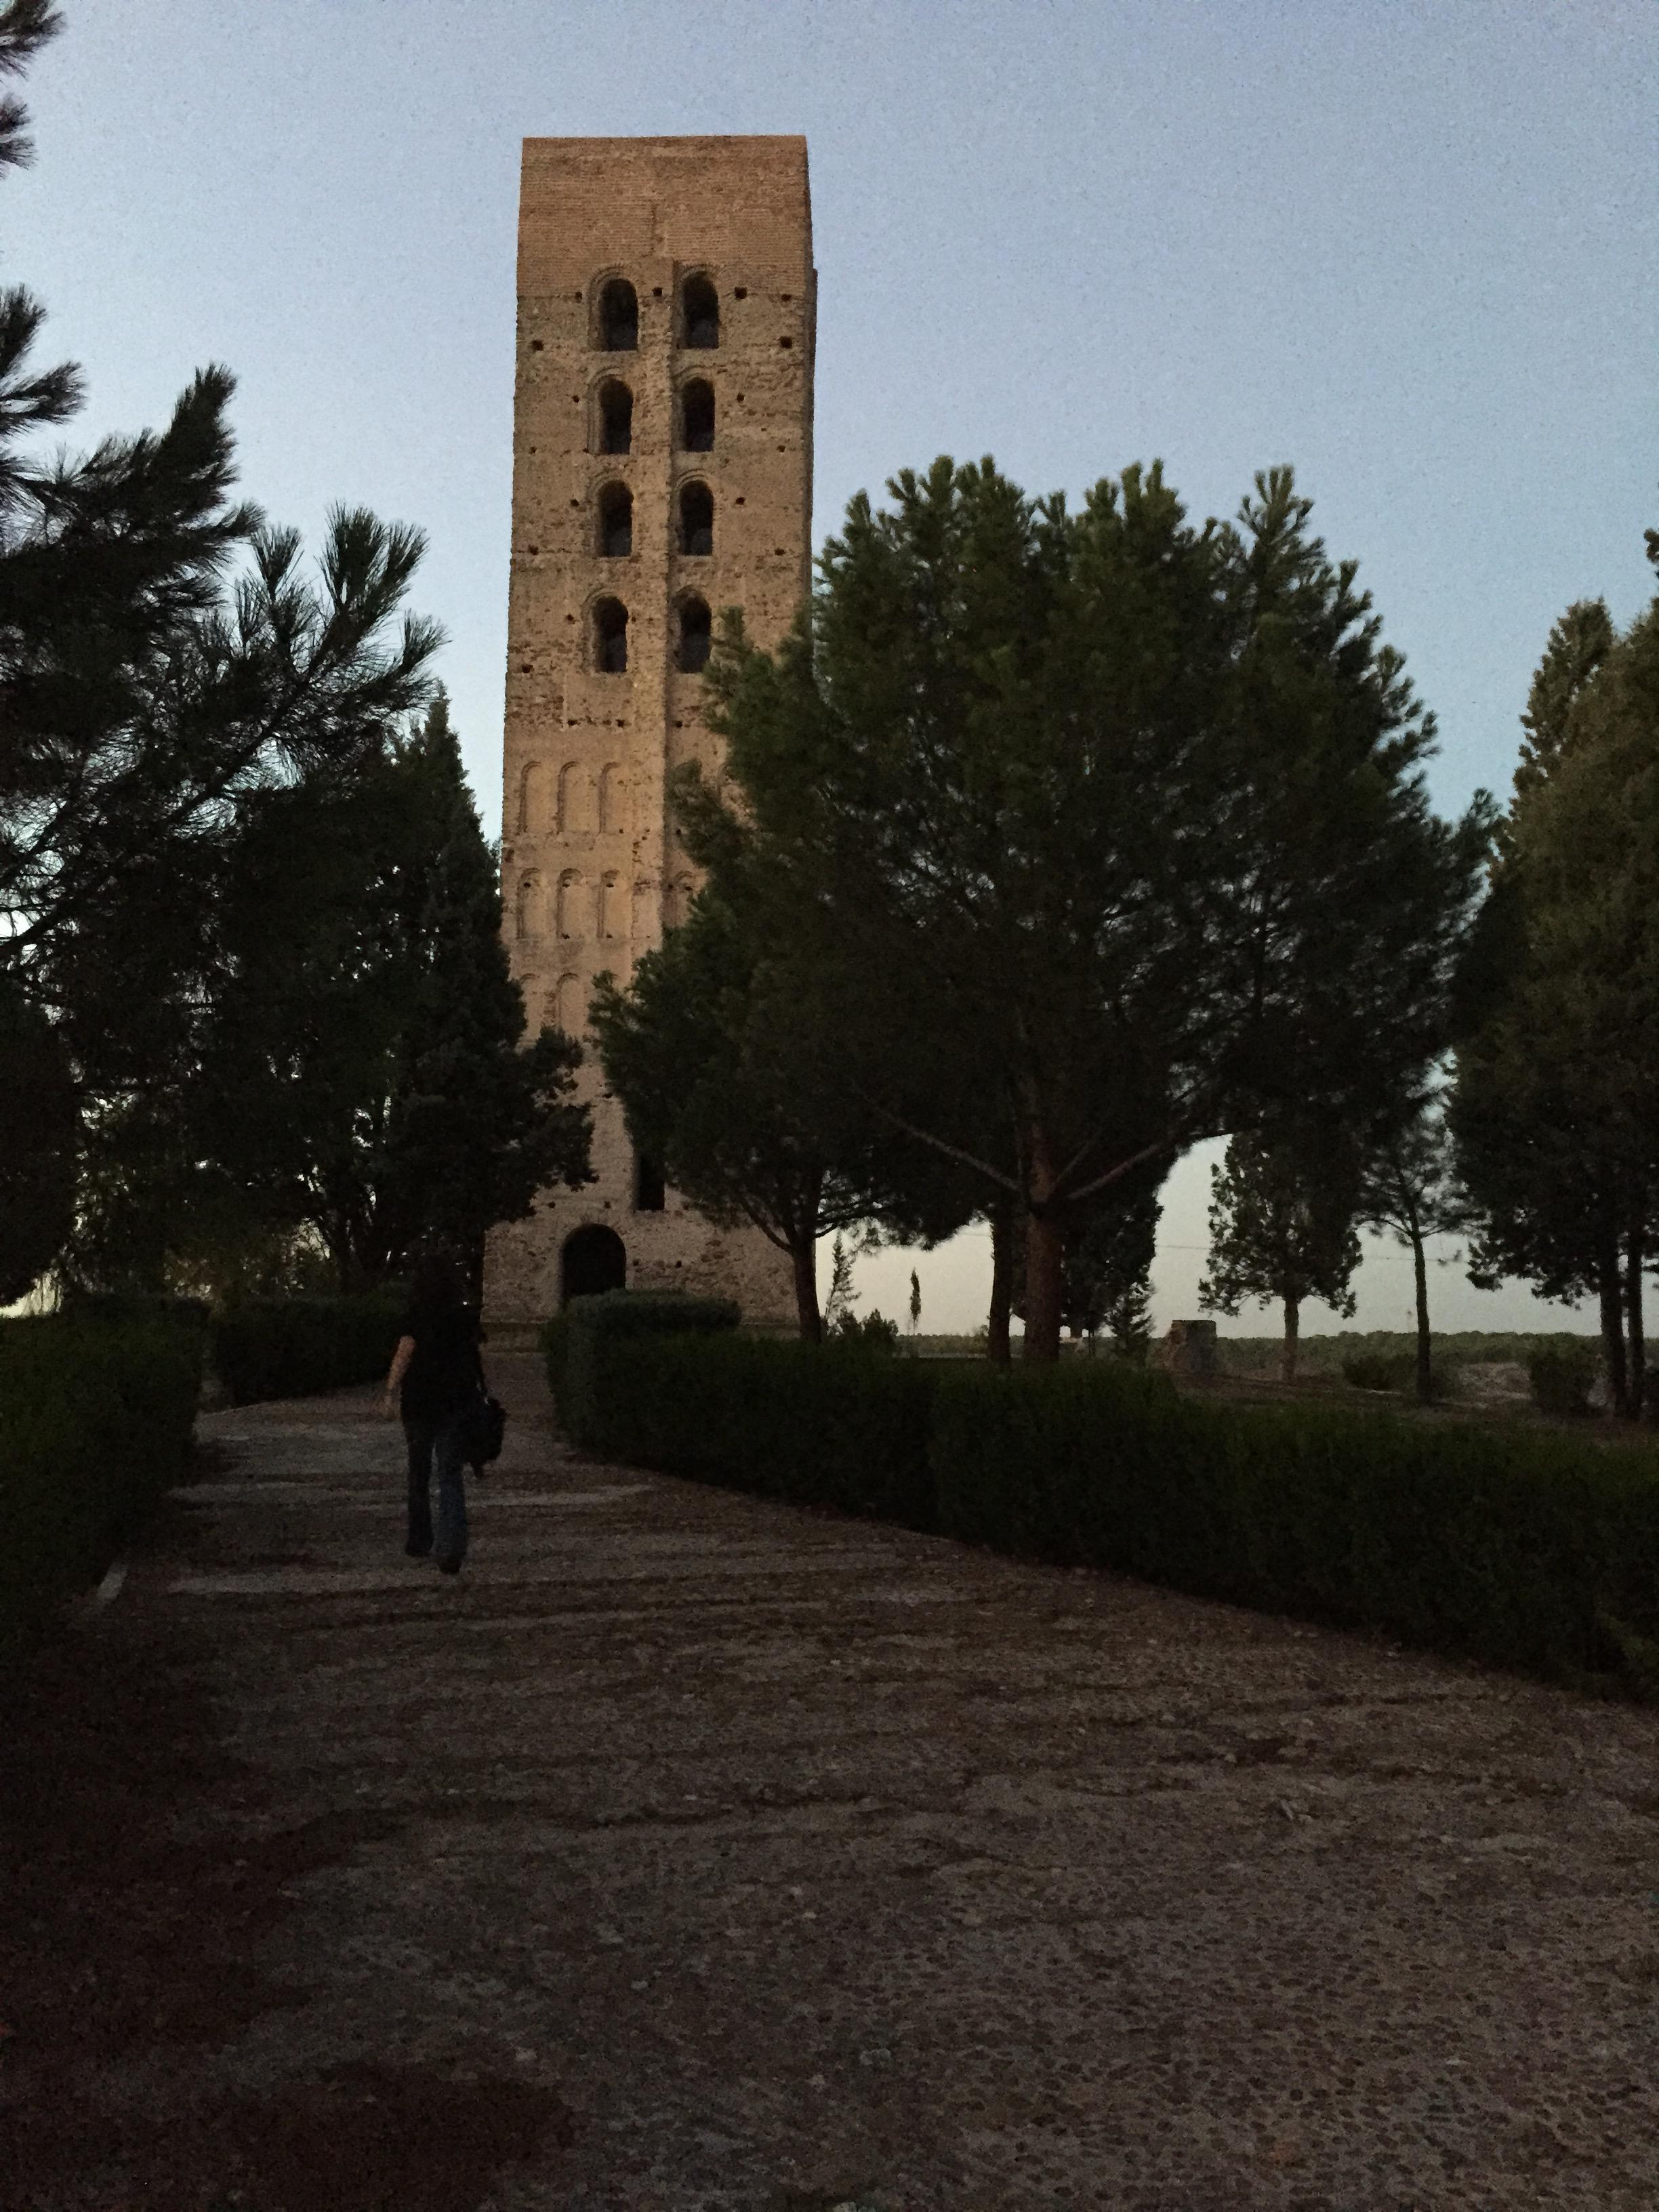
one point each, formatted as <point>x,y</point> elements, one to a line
<point>1407,247</point>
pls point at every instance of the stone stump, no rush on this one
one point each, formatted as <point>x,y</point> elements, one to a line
<point>1189,1349</point>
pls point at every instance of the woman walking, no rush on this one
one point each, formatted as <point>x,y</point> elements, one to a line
<point>436,1381</point>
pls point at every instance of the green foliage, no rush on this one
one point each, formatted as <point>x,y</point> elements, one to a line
<point>1281,1228</point>
<point>584,1347</point>
<point>1552,1107</point>
<point>293,1347</point>
<point>1561,1376</point>
<point>1525,1550</point>
<point>39,1143</point>
<point>96,1418</point>
<point>1503,1548</point>
<point>727,1070</point>
<point>1395,1372</point>
<point>870,1332</point>
<point>797,1421</point>
<point>1096,834</point>
<point>358,1085</point>
<point>1377,1371</point>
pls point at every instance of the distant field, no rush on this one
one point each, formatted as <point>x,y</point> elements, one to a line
<point>1317,1355</point>
<point>1324,1355</point>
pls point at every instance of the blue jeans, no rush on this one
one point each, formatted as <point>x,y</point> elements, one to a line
<point>443,1436</point>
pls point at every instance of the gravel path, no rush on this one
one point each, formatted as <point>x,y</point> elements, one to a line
<point>697,1855</point>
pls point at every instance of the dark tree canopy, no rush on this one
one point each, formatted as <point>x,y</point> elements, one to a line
<point>1108,830</point>
<point>1552,1106</point>
<point>1282,1231</point>
<point>728,1074</point>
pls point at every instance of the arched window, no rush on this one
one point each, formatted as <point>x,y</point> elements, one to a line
<point>616,420</point>
<point>613,918</point>
<point>697,417</point>
<point>611,637</point>
<point>575,798</point>
<point>613,796</point>
<point>697,518</point>
<point>619,318</point>
<point>568,1004</point>
<point>532,798</point>
<point>696,630</point>
<point>570,916</point>
<point>528,916</point>
<point>616,522</point>
<point>594,1260</point>
<point>700,312</point>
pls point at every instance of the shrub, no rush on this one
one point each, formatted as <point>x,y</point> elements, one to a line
<point>1525,1550</point>
<point>95,1424</point>
<point>582,1347</point>
<point>872,1332</point>
<point>1396,1371</point>
<point>1378,1371</point>
<point>819,1425</point>
<point>292,1348</point>
<point>1561,1375</point>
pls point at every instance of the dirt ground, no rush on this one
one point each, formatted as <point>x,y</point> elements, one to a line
<point>695,1854</point>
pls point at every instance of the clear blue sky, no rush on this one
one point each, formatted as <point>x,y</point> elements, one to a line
<point>1408,247</point>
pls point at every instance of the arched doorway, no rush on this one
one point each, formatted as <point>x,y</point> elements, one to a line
<point>592,1261</point>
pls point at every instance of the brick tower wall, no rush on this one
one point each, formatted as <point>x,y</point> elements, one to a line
<point>592,872</point>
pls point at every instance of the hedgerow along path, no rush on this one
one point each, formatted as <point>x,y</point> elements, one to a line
<point>695,1851</point>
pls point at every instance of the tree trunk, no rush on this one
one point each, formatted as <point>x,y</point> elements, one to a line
<point>1420,1270</point>
<point>1610,1294</point>
<point>1045,1286</point>
<point>1045,1253</point>
<point>805,1261</point>
<point>1002,1281</point>
<point>1636,1375</point>
<point>1292,1325</point>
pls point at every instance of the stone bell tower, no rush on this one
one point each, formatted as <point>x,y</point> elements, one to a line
<point>662,472</point>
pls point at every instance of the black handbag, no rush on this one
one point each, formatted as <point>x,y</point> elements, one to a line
<point>486,1429</point>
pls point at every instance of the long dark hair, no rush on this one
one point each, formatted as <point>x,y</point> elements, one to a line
<point>434,1284</point>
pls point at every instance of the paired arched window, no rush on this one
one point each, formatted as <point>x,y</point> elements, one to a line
<point>698,417</point>
<point>696,633</point>
<point>615,428</point>
<point>697,518</point>
<point>616,522</point>
<point>618,328</point>
<point>700,312</point>
<point>611,637</point>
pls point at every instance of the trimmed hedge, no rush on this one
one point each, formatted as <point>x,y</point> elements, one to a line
<point>580,1346</point>
<point>1524,1550</point>
<point>838,1425</point>
<point>95,1423</point>
<point>294,1347</point>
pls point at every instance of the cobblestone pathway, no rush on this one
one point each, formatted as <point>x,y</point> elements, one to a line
<point>698,1854</point>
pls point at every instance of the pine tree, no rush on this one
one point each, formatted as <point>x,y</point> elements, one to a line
<point>478,1122</point>
<point>1408,1186</point>
<point>1281,1230</point>
<point>1552,1107</point>
<point>1108,830</point>
<point>152,702</point>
